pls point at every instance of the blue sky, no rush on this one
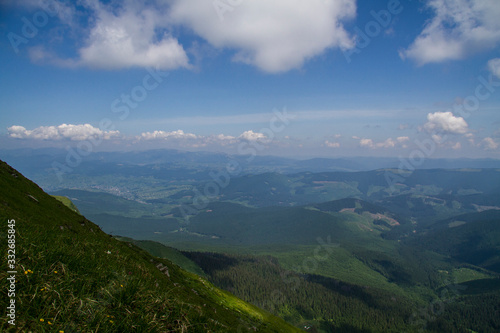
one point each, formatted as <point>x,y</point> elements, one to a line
<point>350,78</point>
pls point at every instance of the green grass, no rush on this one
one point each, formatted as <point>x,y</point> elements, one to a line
<point>464,274</point>
<point>67,202</point>
<point>161,251</point>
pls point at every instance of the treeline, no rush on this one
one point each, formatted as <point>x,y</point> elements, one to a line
<point>309,300</point>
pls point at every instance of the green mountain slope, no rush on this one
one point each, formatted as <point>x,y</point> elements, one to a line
<point>471,238</point>
<point>345,220</point>
<point>72,277</point>
<point>67,202</point>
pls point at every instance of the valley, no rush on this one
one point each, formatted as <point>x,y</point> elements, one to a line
<point>331,251</point>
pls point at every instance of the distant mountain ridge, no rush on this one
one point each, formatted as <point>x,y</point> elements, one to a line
<point>33,161</point>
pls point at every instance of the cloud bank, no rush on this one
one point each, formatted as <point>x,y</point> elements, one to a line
<point>61,132</point>
<point>388,143</point>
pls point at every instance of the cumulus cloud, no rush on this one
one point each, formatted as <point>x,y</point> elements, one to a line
<point>332,144</point>
<point>388,143</point>
<point>129,39</point>
<point>221,139</point>
<point>64,131</point>
<point>489,144</point>
<point>458,28</point>
<point>132,34</point>
<point>494,66</point>
<point>402,139</point>
<point>193,140</point>
<point>252,136</point>
<point>366,143</point>
<point>470,138</point>
<point>162,135</point>
<point>275,36</point>
<point>446,122</point>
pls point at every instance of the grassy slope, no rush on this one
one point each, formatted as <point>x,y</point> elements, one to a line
<point>67,202</point>
<point>73,277</point>
<point>161,251</point>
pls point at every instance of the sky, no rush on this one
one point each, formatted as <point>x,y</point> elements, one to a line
<point>298,78</point>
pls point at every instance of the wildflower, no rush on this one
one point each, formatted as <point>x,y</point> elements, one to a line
<point>108,252</point>
<point>55,272</point>
<point>121,285</point>
<point>49,323</point>
<point>111,321</point>
<point>41,319</point>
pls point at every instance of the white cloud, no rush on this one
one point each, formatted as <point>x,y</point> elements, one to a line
<point>388,143</point>
<point>194,140</point>
<point>437,138</point>
<point>458,28</point>
<point>162,135</point>
<point>332,144</point>
<point>457,146</point>
<point>402,139</point>
<point>220,139</point>
<point>64,131</point>
<point>119,36</point>
<point>129,38</point>
<point>470,138</point>
<point>446,122</point>
<point>489,144</point>
<point>366,143</point>
<point>252,136</point>
<point>494,66</point>
<point>275,36</point>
